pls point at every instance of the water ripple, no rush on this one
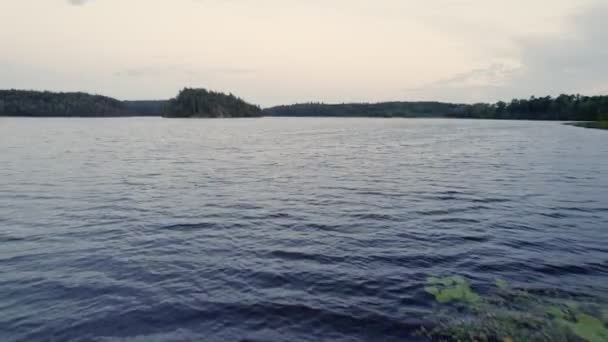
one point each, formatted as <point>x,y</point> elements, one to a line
<point>286,229</point>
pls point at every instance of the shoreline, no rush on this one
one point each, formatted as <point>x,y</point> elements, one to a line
<point>590,124</point>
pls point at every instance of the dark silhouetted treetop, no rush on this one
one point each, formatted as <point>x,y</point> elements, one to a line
<point>201,103</point>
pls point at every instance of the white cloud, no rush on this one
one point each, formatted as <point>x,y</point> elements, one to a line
<point>571,61</point>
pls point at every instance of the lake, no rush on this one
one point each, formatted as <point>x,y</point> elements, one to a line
<point>288,229</point>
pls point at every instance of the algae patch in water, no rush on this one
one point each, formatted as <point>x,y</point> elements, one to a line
<point>605,315</point>
<point>588,327</point>
<point>581,324</point>
<point>502,284</point>
<point>509,314</point>
<point>451,289</point>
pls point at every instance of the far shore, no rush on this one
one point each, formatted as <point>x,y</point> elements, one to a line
<point>592,124</point>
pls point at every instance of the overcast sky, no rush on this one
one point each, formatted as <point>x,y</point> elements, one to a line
<point>283,51</point>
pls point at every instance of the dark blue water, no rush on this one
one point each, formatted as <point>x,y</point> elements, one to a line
<point>285,229</point>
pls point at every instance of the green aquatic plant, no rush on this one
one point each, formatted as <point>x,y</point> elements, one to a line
<point>505,326</point>
<point>506,313</point>
<point>580,323</point>
<point>502,284</point>
<point>555,311</point>
<point>588,327</point>
<point>605,315</point>
<point>450,289</point>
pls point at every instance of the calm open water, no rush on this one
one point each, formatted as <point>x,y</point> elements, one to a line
<point>286,229</point>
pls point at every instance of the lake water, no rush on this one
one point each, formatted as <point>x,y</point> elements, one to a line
<point>286,229</point>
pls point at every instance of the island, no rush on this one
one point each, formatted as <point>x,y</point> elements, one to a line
<point>201,103</point>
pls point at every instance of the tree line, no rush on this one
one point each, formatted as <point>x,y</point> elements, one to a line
<point>203,103</point>
<point>36,103</point>
<point>189,103</point>
<point>384,109</point>
<point>563,108</point>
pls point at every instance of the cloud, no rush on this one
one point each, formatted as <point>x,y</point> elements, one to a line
<point>573,61</point>
<point>78,2</point>
<point>497,74</point>
<point>182,70</point>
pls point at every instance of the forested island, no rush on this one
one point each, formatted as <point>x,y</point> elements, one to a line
<point>201,103</point>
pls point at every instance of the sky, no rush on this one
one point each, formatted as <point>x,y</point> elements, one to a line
<point>272,52</point>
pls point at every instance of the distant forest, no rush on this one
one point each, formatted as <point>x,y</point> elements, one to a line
<point>384,109</point>
<point>563,108</point>
<point>36,103</point>
<point>146,107</point>
<point>204,103</point>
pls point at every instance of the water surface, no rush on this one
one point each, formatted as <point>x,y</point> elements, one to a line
<point>286,229</point>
